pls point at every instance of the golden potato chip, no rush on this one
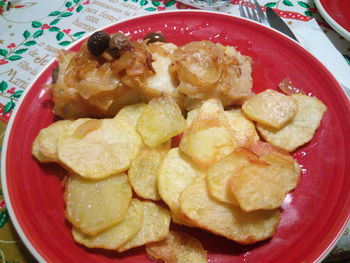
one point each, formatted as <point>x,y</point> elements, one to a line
<point>210,137</point>
<point>36,152</point>
<point>220,172</point>
<point>191,115</point>
<point>178,247</point>
<point>93,206</point>
<point>264,186</point>
<point>302,127</point>
<point>48,138</point>
<point>176,172</point>
<point>102,152</point>
<point>160,121</point>
<point>143,172</point>
<point>155,226</point>
<point>244,129</point>
<point>131,114</point>
<point>116,235</point>
<point>222,219</point>
<point>271,108</point>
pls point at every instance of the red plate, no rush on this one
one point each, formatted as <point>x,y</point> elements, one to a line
<point>337,14</point>
<point>313,216</point>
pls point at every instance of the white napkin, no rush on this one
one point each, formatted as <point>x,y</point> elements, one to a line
<point>312,38</point>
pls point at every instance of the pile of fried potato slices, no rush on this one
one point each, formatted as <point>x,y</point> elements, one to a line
<point>127,181</point>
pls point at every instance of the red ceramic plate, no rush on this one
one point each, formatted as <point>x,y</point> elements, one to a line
<point>313,216</point>
<point>337,14</point>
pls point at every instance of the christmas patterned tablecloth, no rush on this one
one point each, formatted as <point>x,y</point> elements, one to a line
<point>32,31</point>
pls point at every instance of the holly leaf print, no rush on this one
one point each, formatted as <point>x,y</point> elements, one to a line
<point>14,58</point>
<point>3,52</point>
<point>30,43</point>
<point>79,8</point>
<point>59,36</point>
<point>3,218</point>
<point>64,43</point>
<point>271,4</point>
<point>79,34</point>
<point>21,51</point>
<point>3,86</point>
<point>303,4</point>
<point>38,33</point>
<point>54,29</point>
<point>68,4</point>
<point>17,94</point>
<point>54,22</point>
<point>309,13</point>
<point>76,1</point>
<point>26,34</point>
<point>36,24</point>
<point>155,3</point>
<point>55,13</point>
<point>143,2</point>
<point>66,14</point>
<point>151,9</point>
<point>170,3</point>
<point>9,106</point>
<point>287,3</point>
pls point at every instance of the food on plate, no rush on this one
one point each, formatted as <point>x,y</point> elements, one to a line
<point>265,184</point>
<point>222,219</point>
<point>300,129</point>
<point>177,247</point>
<point>155,226</point>
<point>93,206</point>
<point>97,153</point>
<point>271,108</point>
<point>131,114</point>
<point>210,137</point>
<point>135,163</point>
<point>206,70</point>
<point>112,71</point>
<point>48,137</point>
<point>116,235</point>
<point>176,172</point>
<point>219,174</point>
<point>143,172</point>
<point>160,121</point>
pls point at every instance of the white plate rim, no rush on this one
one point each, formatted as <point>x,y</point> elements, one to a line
<point>342,31</point>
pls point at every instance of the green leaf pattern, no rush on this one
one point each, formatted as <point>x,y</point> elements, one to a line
<point>4,217</point>
<point>3,86</point>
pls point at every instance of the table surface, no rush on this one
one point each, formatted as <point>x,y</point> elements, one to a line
<point>31,32</point>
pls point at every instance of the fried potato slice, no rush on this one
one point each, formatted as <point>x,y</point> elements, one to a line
<point>178,247</point>
<point>302,127</point>
<point>264,186</point>
<point>114,236</point>
<point>219,174</point>
<point>271,108</point>
<point>161,120</point>
<point>143,172</point>
<point>155,226</point>
<point>48,138</point>
<point>36,152</point>
<point>131,113</point>
<point>100,152</point>
<point>222,219</point>
<point>176,172</point>
<point>210,137</point>
<point>93,206</point>
<point>244,129</point>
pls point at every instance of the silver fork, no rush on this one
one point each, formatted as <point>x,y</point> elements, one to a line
<point>252,13</point>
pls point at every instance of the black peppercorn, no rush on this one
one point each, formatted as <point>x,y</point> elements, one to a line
<point>155,37</point>
<point>98,43</point>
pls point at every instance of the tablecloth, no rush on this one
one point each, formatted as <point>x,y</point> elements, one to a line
<point>32,31</point>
